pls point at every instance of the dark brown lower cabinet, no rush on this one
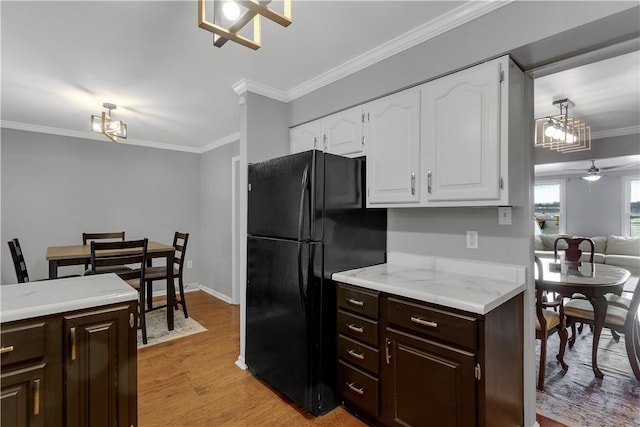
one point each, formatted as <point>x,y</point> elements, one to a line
<point>71,369</point>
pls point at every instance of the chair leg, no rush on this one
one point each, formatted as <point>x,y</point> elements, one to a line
<point>563,345</point>
<point>632,343</point>
<point>142,317</point>
<point>149,295</point>
<point>543,360</point>
<point>182,300</point>
<point>572,340</point>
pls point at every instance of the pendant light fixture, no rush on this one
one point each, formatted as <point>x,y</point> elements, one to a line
<point>231,17</point>
<point>562,133</point>
<point>104,124</point>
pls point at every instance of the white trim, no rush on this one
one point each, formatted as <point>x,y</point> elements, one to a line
<point>631,130</point>
<point>220,142</point>
<point>562,227</point>
<point>240,363</point>
<point>235,280</point>
<point>244,85</point>
<point>626,197</point>
<point>216,294</point>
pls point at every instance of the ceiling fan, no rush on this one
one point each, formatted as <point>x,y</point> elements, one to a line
<point>593,173</point>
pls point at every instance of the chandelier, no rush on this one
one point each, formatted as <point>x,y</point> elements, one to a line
<point>229,19</point>
<point>562,133</point>
<point>104,124</point>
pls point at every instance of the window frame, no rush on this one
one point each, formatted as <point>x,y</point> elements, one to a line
<point>562,226</point>
<point>626,204</point>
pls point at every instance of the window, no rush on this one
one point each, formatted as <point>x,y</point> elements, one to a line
<point>631,208</point>
<point>549,206</point>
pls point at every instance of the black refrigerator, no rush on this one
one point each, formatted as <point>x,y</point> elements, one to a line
<point>306,220</point>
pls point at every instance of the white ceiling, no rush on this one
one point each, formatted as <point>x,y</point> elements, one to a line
<point>621,163</point>
<point>61,60</point>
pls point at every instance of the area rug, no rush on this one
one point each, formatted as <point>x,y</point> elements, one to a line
<point>157,331</point>
<point>576,397</point>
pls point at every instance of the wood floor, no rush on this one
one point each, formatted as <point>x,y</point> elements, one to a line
<point>193,381</point>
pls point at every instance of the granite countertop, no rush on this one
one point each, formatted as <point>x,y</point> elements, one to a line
<point>33,299</point>
<point>483,286</point>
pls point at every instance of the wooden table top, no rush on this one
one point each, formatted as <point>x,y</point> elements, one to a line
<point>84,251</point>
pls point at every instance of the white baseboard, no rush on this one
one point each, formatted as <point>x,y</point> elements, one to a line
<point>188,287</point>
<point>216,294</point>
<point>240,363</point>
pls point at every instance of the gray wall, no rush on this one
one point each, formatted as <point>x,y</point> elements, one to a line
<point>600,148</point>
<point>55,187</point>
<point>267,128</point>
<point>215,218</point>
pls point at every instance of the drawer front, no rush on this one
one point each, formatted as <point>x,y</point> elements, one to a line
<point>358,354</point>
<point>358,388</point>
<point>357,327</point>
<point>437,323</point>
<point>22,342</point>
<point>358,301</point>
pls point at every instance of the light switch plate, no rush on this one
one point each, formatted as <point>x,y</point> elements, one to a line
<point>504,215</point>
<point>472,240</point>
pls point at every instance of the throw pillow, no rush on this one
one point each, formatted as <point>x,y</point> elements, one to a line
<point>599,243</point>
<point>620,245</point>
<point>537,241</point>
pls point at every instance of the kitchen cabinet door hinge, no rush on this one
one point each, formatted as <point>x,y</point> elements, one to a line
<point>362,117</point>
<point>501,76</point>
<point>324,142</point>
<point>477,372</point>
<point>362,139</point>
<point>501,183</point>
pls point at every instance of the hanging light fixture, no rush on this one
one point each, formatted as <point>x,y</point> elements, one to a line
<point>229,19</point>
<point>104,124</point>
<point>562,133</point>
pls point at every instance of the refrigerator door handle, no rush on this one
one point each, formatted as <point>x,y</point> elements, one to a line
<point>305,183</point>
<point>301,281</point>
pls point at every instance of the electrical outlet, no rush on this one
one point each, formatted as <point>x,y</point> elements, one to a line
<point>504,215</point>
<point>472,240</point>
<point>189,264</point>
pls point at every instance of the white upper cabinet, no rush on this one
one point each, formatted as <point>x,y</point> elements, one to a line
<point>339,133</point>
<point>392,137</point>
<point>343,132</point>
<point>461,138</point>
<point>306,137</point>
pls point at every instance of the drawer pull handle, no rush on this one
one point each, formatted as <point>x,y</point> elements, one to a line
<point>355,354</point>
<point>355,302</point>
<point>7,349</point>
<point>387,351</point>
<point>72,338</point>
<point>36,397</point>
<point>355,389</point>
<point>355,328</point>
<point>423,322</point>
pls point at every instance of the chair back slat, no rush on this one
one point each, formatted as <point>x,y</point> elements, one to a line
<point>87,237</point>
<point>19,263</point>
<point>180,244</point>
<point>123,253</point>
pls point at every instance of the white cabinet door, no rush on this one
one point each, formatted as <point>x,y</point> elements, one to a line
<point>343,132</point>
<point>306,137</point>
<point>392,135</point>
<point>461,136</point>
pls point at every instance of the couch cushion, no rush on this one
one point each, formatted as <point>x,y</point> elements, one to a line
<point>620,245</point>
<point>631,263</point>
<point>548,240</point>
<point>599,243</point>
<point>544,254</point>
<point>537,242</point>
<point>597,258</point>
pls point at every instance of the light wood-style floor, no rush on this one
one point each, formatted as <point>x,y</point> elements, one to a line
<point>193,381</point>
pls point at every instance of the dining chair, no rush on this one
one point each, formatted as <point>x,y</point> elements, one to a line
<point>547,323</point>
<point>89,237</point>
<point>573,253</point>
<point>160,273</point>
<point>619,317</point>
<point>107,255</point>
<point>21,266</point>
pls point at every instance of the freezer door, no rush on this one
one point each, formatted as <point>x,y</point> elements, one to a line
<point>279,331</point>
<point>280,197</point>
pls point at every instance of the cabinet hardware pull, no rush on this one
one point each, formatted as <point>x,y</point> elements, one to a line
<point>362,139</point>
<point>132,320</point>
<point>355,354</point>
<point>387,350</point>
<point>315,142</point>
<point>478,372</point>
<point>325,142</point>
<point>429,181</point>
<point>355,328</point>
<point>356,389</point>
<point>413,184</point>
<point>7,349</point>
<point>72,337</point>
<point>423,322</point>
<point>355,302</point>
<point>36,397</point>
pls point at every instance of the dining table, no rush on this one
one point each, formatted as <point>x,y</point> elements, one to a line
<point>592,280</point>
<point>59,256</point>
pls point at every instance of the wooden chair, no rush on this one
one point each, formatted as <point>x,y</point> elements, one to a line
<point>548,322</point>
<point>89,237</point>
<point>160,273</point>
<point>619,318</point>
<point>573,253</point>
<point>110,255</point>
<point>20,265</point>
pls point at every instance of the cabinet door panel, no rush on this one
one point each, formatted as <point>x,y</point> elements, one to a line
<point>306,137</point>
<point>344,132</point>
<point>428,384</point>
<point>461,135</point>
<point>22,397</point>
<point>393,137</point>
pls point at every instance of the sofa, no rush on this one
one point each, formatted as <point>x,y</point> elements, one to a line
<point>612,250</point>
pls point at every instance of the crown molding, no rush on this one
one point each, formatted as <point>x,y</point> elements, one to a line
<point>243,86</point>
<point>220,142</point>
<point>94,136</point>
<point>631,130</point>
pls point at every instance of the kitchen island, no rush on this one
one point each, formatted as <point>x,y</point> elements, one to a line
<point>69,352</point>
<point>429,341</point>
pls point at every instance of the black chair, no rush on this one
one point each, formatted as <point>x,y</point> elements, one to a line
<point>160,273</point>
<point>87,238</point>
<point>21,266</point>
<point>112,255</point>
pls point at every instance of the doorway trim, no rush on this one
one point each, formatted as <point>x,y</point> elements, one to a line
<point>235,233</point>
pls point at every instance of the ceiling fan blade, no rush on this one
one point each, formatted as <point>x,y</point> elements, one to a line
<point>611,168</point>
